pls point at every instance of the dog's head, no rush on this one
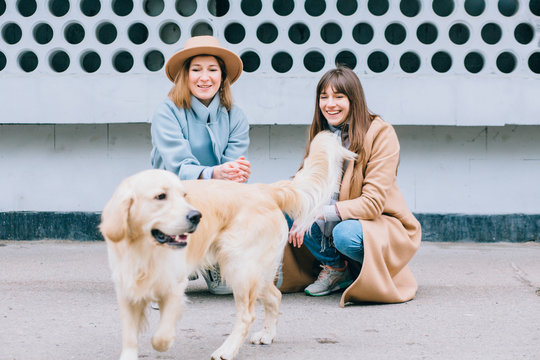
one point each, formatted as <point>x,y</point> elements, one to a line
<point>150,204</point>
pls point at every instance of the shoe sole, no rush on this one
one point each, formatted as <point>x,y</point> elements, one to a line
<point>338,287</point>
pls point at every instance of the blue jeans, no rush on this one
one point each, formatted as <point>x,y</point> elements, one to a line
<point>348,240</point>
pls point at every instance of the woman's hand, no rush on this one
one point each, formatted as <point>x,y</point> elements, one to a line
<point>237,170</point>
<point>296,235</point>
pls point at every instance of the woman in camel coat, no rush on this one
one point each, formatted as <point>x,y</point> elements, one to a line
<point>365,239</point>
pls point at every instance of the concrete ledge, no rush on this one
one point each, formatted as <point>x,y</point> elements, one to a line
<point>83,226</point>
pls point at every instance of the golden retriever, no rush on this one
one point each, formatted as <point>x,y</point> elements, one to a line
<point>159,229</point>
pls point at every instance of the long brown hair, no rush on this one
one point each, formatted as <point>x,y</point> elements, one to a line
<point>344,80</point>
<point>181,95</point>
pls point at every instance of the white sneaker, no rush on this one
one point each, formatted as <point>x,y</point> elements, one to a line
<point>213,280</point>
<point>329,281</point>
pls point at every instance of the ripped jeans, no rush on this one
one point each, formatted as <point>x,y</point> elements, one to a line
<point>348,239</point>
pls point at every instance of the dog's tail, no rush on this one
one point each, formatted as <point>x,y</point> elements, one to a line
<point>313,186</point>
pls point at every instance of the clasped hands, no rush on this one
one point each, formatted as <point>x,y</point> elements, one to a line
<point>237,170</point>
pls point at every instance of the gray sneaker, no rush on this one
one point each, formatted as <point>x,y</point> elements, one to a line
<point>329,280</point>
<point>213,280</point>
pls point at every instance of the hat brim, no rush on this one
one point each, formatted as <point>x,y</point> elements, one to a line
<point>233,63</point>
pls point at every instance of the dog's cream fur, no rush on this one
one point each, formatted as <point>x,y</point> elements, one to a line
<point>242,229</point>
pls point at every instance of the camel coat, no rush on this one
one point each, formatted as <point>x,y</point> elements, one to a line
<point>391,232</point>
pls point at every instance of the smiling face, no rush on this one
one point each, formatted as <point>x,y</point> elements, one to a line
<point>334,106</point>
<point>204,78</point>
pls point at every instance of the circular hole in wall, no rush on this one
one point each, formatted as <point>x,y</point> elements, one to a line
<point>346,58</point>
<point>169,33</point>
<point>59,61</point>
<point>26,7</point>
<point>362,33</point>
<point>74,33</point>
<point>186,7</point>
<point>475,7</point>
<point>90,7</point>
<point>138,33</point>
<point>251,7</point>
<point>251,61</point>
<point>153,7</point>
<point>378,7</point>
<point>2,7</point>
<point>474,62</point>
<point>506,62</point>
<point>534,6</point>
<point>122,7</point>
<point>267,33</point>
<point>106,33</point>
<point>43,33</point>
<point>395,33</point>
<point>377,61</point>
<point>331,33</point>
<point>314,61</point>
<point>122,61</point>
<point>441,61</point>
<point>11,33</point>
<point>491,33</point>
<point>283,7</point>
<point>427,33</point>
<point>3,61</point>
<point>409,8</point>
<point>524,33</point>
<point>347,7</point>
<point>218,8</point>
<point>154,60</point>
<point>235,33</point>
<point>58,7</point>
<point>299,33</point>
<point>90,61</point>
<point>443,8</point>
<point>534,62</point>
<point>202,28</point>
<point>28,61</point>
<point>409,62</point>
<point>315,8</point>
<point>459,33</point>
<point>282,62</point>
<point>508,7</point>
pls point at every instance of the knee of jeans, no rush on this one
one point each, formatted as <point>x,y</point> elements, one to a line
<point>343,233</point>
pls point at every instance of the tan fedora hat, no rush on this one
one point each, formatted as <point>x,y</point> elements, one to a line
<point>204,45</point>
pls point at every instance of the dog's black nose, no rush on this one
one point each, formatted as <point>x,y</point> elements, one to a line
<point>194,216</point>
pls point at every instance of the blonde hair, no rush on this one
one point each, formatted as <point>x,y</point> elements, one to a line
<point>181,96</point>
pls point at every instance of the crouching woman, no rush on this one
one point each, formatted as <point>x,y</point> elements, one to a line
<point>368,235</point>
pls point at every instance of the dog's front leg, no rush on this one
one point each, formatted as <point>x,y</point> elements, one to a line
<point>132,318</point>
<point>245,314</point>
<point>171,307</point>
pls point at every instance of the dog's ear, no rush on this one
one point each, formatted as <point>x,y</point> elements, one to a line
<point>115,216</point>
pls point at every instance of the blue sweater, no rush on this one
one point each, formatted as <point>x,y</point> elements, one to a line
<point>187,141</point>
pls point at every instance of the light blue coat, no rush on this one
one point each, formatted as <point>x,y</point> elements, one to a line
<point>187,141</point>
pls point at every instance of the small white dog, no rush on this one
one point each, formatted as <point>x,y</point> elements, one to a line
<point>159,229</point>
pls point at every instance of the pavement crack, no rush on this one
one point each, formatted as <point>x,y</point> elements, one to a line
<point>522,277</point>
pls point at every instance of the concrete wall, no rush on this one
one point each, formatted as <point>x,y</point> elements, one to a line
<point>444,169</point>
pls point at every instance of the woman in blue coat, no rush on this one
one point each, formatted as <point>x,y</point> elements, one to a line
<point>197,132</point>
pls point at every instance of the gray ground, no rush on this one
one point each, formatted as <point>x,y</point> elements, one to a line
<point>475,301</point>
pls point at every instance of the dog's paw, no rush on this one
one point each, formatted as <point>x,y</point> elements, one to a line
<point>162,343</point>
<point>221,354</point>
<point>262,338</point>
<point>129,354</point>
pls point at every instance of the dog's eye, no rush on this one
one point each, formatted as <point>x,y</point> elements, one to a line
<point>161,196</point>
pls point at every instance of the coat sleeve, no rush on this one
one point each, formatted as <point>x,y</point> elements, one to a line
<point>380,175</point>
<point>238,142</point>
<point>172,146</point>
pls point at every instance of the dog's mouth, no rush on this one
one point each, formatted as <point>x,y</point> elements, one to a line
<point>178,241</point>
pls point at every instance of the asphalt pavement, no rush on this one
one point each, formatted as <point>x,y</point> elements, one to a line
<point>475,301</point>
